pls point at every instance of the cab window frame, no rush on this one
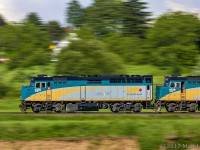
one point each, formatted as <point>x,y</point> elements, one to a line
<point>36,85</point>
<point>43,84</point>
<point>178,85</point>
<point>175,85</point>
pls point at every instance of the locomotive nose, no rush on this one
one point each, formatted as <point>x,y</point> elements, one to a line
<point>23,93</point>
<point>157,92</point>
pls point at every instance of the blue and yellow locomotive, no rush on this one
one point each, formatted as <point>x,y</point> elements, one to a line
<point>117,92</point>
<point>179,93</point>
<point>88,93</point>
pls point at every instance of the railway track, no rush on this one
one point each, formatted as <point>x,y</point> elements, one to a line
<point>105,113</point>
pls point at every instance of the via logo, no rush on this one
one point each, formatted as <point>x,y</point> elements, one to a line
<point>103,94</point>
<point>172,90</point>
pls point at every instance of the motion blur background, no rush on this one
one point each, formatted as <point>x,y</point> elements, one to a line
<point>96,37</point>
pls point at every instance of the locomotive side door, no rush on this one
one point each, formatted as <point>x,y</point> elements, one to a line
<point>48,92</point>
<point>148,96</point>
<point>183,91</point>
<point>82,93</point>
<point>148,88</point>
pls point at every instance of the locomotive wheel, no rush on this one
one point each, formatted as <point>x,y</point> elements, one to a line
<point>58,108</point>
<point>137,107</point>
<point>114,108</point>
<point>170,107</point>
<point>192,107</point>
<point>158,106</point>
<point>36,108</point>
<point>22,107</point>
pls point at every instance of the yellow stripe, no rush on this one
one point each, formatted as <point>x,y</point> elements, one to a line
<point>172,96</point>
<point>57,93</point>
<point>190,95</point>
<point>102,100</point>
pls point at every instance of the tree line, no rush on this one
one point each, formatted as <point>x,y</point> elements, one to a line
<point>111,33</point>
<point>122,29</point>
<point>171,41</point>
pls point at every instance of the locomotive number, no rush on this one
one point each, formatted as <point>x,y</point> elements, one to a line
<point>172,90</point>
<point>37,90</point>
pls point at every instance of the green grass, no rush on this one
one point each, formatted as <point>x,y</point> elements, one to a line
<point>150,131</point>
<point>9,105</point>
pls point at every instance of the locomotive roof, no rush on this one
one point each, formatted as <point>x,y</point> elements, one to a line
<point>183,78</point>
<point>90,77</point>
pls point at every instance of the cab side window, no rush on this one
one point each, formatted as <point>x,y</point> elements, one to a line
<point>178,85</point>
<point>37,85</point>
<point>43,85</point>
<point>40,85</point>
<point>175,85</point>
<point>172,85</point>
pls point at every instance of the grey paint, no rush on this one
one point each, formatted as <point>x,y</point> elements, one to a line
<point>109,92</point>
<point>82,93</point>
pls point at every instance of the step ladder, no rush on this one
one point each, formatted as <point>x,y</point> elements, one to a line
<point>183,100</point>
<point>183,105</point>
<point>183,95</point>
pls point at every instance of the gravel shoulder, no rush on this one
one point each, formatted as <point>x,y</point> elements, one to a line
<point>69,144</point>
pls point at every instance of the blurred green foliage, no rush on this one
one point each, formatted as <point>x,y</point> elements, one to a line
<point>74,13</point>
<point>2,21</point>
<point>25,45</point>
<point>103,17</point>
<point>12,80</point>
<point>172,41</point>
<point>54,30</point>
<point>33,18</point>
<point>151,133</point>
<point>113,37</point>
<point>130,49</point>
<point>3,89</point>
<point>88,57</point>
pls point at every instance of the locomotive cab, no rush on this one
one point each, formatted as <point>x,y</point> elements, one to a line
<point>172,84</point>
<point>179,93</point>
<point>37,85</point>
<point>39,90</point>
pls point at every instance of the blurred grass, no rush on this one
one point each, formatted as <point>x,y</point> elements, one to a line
<point>9,105</point>
<point>150,130</point>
